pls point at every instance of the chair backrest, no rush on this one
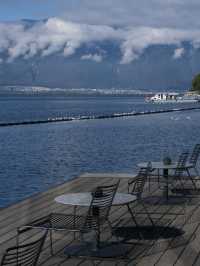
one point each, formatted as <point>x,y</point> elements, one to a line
<point>181,164</point>
<point>24,255</point>
<point>102,198</point>
<point>195,155</point>
<point>140,180</point>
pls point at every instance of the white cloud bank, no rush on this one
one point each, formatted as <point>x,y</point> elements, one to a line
<point>57,35</point>
<point>95,57</point>
<point>178,53</point>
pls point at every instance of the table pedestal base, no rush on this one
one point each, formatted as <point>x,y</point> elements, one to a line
<point>106,250</point>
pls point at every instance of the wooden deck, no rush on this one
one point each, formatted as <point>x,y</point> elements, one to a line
<point>183,250</point>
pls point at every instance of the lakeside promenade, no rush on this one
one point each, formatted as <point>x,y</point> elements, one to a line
<point>180,251</point>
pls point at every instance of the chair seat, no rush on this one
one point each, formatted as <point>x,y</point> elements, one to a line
<point>61,221</point>
<point>66,221</point>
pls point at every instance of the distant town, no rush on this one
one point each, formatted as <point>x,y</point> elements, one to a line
<point>37,90</point>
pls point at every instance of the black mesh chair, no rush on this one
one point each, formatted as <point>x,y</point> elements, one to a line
<point>194,158</point>
<point>96,216</point>
<point>136,187</point>
<point>24,254</point>
<point>179,182</point>
<point>181,164</point>
<point>136,184</point>
<point>178,176</point>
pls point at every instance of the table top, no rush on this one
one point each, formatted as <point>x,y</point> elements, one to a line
<point>84,199</point>
<point>109,175</point>
<point>161,165</point>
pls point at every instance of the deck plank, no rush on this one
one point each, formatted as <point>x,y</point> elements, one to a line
<point>161,252</point>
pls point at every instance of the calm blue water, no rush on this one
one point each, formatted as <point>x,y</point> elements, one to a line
<point>17,108</point>
<point>35,157</point>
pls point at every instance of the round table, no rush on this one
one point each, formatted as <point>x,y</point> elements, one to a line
<point>84,199</point>
<point>106,250</point>
<point>165,167</point>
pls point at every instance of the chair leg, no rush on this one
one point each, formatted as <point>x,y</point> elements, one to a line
<point>51,241</point>
<point>98,236</point>
<point>111,230</point>
<point>74,224</point>
<point>17,238</point>
<point>132,215</point>
<point>159,180</point>
<point>135,221</point>
<point>149,183</point>
<point>193,182</point>
<point>110,226</point>
<point>158,173</point>
<point>196,171</point>
<point>147,213</point>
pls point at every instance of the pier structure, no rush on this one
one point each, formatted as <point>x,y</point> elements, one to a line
<point>179,251</point>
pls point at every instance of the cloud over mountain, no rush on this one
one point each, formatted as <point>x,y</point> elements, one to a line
<point>95,57</point>
<point>178,53</point>
<point>55,35</point>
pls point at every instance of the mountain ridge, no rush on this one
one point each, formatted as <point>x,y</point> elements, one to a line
<point>98,65</point>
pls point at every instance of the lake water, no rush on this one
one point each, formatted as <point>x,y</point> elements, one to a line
<point>35,157</point>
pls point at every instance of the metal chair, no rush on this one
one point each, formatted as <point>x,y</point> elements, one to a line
<point>95,217</point>
<point>136,184</point>
<point>136,187</point>
<point>24,254</point>
<point>182,167</point>
<point>194,158</point>
<point>181,164</point>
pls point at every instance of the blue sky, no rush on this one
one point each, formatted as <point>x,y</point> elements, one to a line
<point>31,9</point>
<point>154,13</point>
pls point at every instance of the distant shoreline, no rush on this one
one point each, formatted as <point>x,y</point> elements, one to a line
<point>55,94</point>
<point>42,91</point>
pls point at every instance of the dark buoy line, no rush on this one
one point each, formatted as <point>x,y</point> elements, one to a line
<point>115,115</point>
